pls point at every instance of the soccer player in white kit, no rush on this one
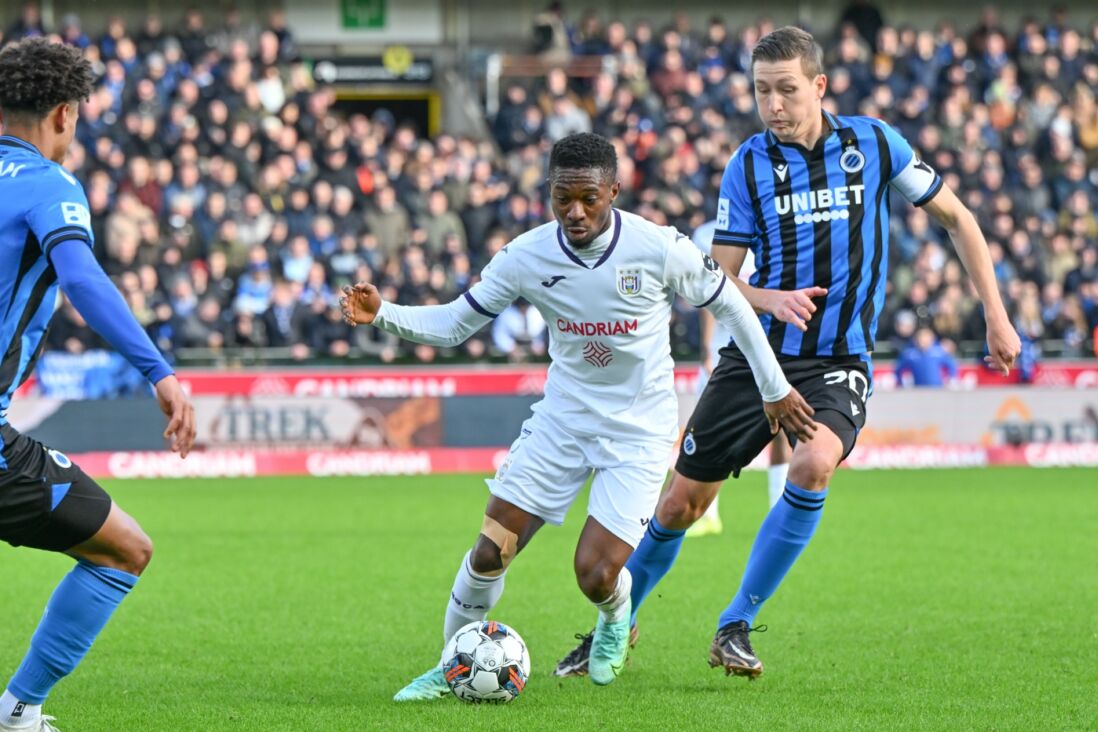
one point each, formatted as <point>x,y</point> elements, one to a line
<point>714,337</point>
<point>604,281</point>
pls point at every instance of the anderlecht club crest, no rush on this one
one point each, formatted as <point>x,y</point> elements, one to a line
<point>629,281</point>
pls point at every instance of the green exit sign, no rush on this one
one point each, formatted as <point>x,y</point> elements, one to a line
<point>363,13</point>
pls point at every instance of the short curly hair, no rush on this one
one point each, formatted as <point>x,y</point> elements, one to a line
<point>585,150</point>
<point>37,75</point>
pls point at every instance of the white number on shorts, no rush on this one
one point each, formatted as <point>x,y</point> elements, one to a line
<point>855,380</point>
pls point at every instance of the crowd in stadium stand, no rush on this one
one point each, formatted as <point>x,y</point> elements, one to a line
<point>230,201</point>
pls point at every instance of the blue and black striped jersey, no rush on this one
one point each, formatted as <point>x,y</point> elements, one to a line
<point>41,205</point>
<point>820,217</point>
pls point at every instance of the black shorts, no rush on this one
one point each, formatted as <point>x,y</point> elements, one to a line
<point>728,428</point>
<point>46,501</point>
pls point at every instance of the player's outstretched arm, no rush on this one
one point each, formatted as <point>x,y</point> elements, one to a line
<point>789,306</point>
<point>1003,343</point>
<point>435,325</point>
<point>97,299</point>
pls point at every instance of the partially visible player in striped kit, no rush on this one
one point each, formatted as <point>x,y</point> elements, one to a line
<point>809,198</point>
<point>46,501</point>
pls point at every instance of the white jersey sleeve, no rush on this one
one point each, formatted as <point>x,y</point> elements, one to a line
<point>436,325</point>
<point>498,286</point>
<point>453,323</point>
<point>699,280</point>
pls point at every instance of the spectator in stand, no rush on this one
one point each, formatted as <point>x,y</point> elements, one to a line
<point>925,362</point>
<point>28,25</point>
<point>286,320</point>
<point>205,327</point>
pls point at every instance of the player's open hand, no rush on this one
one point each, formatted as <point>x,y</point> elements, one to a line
<point>177,407</point>
<point>793,413</point>
<point>360,303</point>
<point>1003,347</point>
<point>792,306</point>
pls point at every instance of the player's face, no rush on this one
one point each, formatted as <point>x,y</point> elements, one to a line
<point>789,99</point>
<point>581,200</point>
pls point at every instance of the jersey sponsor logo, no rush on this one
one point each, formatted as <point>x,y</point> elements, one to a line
<point>606,328</point>
<point>76,213</point>
<point>710,263</point>
<point>553,280</point>
<point>722,213</point>
<point>629,281</point>
<point>11,170</point>
<point>597,354</point>
<point>60,458</point>
<point>920,165</point>
<point>781,170</point>
<point>854,408</point>
<point>688,444</point>
<point>852,160</point>
<point>821,205</point>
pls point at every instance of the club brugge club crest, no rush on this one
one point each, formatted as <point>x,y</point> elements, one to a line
<point>629,280</point>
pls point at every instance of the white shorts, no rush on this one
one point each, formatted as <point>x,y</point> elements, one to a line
<point>548,465</point>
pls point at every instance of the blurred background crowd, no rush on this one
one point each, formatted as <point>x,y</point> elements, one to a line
<point>230,199</point>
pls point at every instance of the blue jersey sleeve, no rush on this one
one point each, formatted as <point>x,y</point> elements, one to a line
<point>60,212</point>
<point>97,299</point>
<point>735,216</point>
<point>913,178</point>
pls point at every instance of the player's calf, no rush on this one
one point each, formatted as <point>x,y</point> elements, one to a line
<point>684,502</point>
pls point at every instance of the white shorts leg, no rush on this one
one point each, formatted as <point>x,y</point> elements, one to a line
<point>544,470</point>
<point>624,495</point>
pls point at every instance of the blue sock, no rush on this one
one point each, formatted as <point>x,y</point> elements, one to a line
<point>651,560</point>
<point>783,535</point>
<point>77,611</point>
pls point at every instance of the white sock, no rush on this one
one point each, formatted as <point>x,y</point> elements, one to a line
<point>775,481</point>
<point>614,608</point>
<point>14,713</point>
<point>472,598</point>
<point>712,512</point>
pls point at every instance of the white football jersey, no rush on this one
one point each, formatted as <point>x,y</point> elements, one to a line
<point>703,240</point>
<point>608,319</point>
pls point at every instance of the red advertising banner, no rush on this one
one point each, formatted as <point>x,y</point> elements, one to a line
<point>252,463</point>
<point>435,381</point>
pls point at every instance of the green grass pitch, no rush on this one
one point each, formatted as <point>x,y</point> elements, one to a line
<point>928,600</point>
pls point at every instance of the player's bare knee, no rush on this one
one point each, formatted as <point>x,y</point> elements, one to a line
<point>596,579</point>
<point>811,471</point>
<point>486,558</point>
<point>131,553</point>
<point>495,548</point>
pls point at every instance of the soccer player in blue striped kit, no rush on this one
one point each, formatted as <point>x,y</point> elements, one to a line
<point>809,198</point>
<point>46,501</point>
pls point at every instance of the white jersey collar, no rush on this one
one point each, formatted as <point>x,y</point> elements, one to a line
<point>602,247</point>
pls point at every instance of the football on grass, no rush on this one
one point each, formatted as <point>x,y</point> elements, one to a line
<point>486,661</point>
